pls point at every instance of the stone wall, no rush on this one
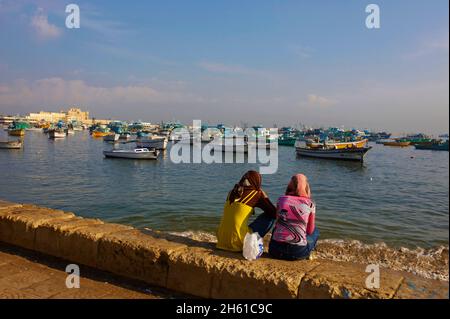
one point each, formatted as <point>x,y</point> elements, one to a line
<point>192,267</point>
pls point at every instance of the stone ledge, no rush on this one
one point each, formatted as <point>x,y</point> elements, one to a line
<point>194,268</point>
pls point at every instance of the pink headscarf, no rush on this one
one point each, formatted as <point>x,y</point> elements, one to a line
<point>298,186</point>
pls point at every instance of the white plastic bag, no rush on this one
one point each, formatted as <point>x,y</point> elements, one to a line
<point>253,246</point>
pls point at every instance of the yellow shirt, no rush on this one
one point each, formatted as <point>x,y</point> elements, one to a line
<point>234,224</point>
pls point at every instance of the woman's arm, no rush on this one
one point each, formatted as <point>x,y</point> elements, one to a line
<point>266,205</point>
<point>311,221</point>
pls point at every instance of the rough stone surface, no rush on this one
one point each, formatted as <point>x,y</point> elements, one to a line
<point>5,206</point>
<point>183,265</point>
<point>193,270</point>
<point>19,226</point>
<point>81,244</point>
<point>50,233</point>
<point>262,278</point>
<point>27,275</point>
<point>414,287</point>
<point>134,254</point>
<point>346,280</point>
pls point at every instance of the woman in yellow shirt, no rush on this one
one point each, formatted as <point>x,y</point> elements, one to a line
<point>240,204</point>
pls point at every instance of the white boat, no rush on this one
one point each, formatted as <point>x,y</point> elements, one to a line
<point>138,153</point>
<point>235,146</point>
<point>11,145</point>
<point>125,136</point>
<point>349,154</point>
<point>154,141</point>
<point>111,138</point>
<point>56,133</point>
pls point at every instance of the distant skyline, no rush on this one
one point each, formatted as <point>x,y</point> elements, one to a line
<point>258,62</point>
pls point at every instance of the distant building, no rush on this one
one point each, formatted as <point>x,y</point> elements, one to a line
<point>73,114</point>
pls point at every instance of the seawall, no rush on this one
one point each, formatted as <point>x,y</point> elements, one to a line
<point>195,268</point>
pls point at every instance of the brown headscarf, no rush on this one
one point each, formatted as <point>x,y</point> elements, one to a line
<point>299,186</point>
<point>250,180</point>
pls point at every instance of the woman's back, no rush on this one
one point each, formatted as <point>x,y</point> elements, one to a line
<point>293,220</point>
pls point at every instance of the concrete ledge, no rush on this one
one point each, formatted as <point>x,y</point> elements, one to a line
<point>194,268</point>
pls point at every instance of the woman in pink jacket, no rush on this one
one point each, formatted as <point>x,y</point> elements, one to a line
<point>295,235</point>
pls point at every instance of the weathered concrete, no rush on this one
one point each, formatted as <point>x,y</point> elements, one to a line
<point>190,267</point>
<point>30,275</point>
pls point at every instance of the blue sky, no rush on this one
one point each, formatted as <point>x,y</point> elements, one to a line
<point>262,62</point>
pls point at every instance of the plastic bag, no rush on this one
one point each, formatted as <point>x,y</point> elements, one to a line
<point>253,246</point>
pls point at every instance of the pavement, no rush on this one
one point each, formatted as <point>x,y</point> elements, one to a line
<point>26,274</point>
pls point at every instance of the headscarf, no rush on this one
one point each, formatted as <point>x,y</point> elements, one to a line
<point>251,180</point>
<point>298,186</point>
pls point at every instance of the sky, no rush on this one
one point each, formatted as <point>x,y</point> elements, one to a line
<point>257,62</point>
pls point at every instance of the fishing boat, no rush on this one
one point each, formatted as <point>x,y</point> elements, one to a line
<point>350,154</point>
<point>138,153</point>
<point>125,136</point>
<point>346,145</point>
<point>230,145</point>
<point>56,133</point>
<point>99,134</point>
<point>70,131</point>
<point>330,144</point>
<point>153,141</point>
<point>11,145</point>
<point>111,137</point>
<point>397,143</point>
<point>287,140</point>
<point>16,132</point>
<point>434,146</point>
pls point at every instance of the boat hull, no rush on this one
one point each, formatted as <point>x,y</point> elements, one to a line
<point>434,147</point>
<point>111,137</point>
<point>11,145</point>
<point>55,134</point>
<point>99,134</point>
<point>16,132</point>
<point>159,144</point>
<point>131,155</point>
<point>357,154</point>
<point>397,144</point>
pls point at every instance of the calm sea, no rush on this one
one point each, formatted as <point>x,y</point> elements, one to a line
<point>400,196</point>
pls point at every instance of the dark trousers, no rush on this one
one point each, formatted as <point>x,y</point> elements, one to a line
<point>262,224</point>
<point>288,251</point>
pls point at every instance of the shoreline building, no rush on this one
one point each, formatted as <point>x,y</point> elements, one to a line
<point>73,114</point>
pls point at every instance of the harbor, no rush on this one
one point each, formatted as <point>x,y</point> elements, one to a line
<point>74,174</point>
<point>202,150</point>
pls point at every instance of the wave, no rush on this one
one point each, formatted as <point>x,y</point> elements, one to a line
<point>428,263</point>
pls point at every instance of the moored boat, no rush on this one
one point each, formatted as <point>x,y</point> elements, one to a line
<point>287,140</point>
<point>16,132</point>
<point>99,134</point>
<point>70,131</point>
<point>345,145</point>
<point>56,133</point>
<point>399,143</point>
<point>111,137</point>
<point>434,146</point>
<point>11,145</point>
<point>349,154</point>
<point>157,142</point>
<point>138,153</point>
<point>125,136</point>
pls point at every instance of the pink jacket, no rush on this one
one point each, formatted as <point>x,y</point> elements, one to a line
<point>295,220</point>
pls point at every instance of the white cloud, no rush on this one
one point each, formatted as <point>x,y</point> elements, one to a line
<point>43,28</point>
<point>317,100</point>
<point>56,91</point>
